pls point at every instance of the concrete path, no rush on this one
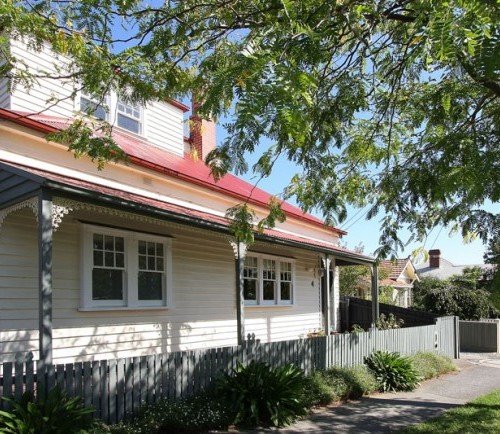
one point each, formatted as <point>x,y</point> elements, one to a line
<point>389,412</point>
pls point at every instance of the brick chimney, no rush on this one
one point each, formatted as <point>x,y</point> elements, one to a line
<point>434,258</point>
<point>202,133</point>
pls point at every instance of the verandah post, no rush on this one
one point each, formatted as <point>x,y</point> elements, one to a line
<point>240,253</point>
<point>45,234</point>
<point>327,313</point>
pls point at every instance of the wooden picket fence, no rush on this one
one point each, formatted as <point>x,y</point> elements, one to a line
<point>119,387</point>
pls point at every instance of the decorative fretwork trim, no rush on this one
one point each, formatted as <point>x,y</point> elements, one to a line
<point>62,207</point>
<point>243,248</point>
<point>31,203</point>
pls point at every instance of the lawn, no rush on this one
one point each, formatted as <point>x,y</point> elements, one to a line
<point>479,416</point>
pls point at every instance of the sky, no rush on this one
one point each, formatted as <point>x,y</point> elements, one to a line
<point>367,232</point>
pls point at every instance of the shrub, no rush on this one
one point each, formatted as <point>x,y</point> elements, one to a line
<point>449,299</point>
<point>430,365</point>
<point>350,383</point>
<point>195,414</point>
<point>388,322</point>
<point>258,394</point>
<point>392,371</point>
<point>357,329</point>
<point>337,384</point>
<point>317,391</point>
<point>55,414</point>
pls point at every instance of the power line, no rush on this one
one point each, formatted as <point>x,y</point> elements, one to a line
<point>357,220</point>
<point>352,217</point>
<point>437,236</point>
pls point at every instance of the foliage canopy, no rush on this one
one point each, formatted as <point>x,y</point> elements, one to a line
<point>387,103</point>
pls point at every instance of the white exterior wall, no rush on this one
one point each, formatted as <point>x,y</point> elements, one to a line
<point>44,91</point>
<point>163,123</point>
<point>165,126</point>
<point>203,313</point>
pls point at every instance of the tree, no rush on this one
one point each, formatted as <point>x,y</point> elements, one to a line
<point>492,256</point>
<point>470,278</point>
<point>459,295</point>
<point>423,287</point>
<point>389,103</point>
<point>465,303</point>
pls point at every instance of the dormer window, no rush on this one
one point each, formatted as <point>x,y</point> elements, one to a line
<point>91,106</point>
<point>129,117</point>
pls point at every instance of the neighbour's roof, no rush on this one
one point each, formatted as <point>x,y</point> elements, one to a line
<point>446,269</point>
<point>106,194</point>
<point>395,283</point>
<point>394,269</point>
<point>144,154</point>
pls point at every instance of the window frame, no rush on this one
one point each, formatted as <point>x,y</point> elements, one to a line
<point>105,105</point>
<point>131,270</point>
<point>277,290</point>
<point>140,119</point>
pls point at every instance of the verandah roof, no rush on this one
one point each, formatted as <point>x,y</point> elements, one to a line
<point>122,199</point>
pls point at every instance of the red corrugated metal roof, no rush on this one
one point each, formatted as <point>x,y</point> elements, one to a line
<point>172,208</point>
<point>187,169</point>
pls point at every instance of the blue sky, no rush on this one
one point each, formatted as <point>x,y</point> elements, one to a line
<point>367,232</point>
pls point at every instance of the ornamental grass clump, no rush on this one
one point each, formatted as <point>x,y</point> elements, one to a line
<point>392,371</point>
<point>429,365</point>
<point>350,383</point>
<point>258,394</point>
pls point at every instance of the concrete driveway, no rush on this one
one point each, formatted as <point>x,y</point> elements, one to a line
<point>389,412</point>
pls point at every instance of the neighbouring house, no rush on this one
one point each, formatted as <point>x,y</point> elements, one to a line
<point>441,268</point>
<point>138,258</point>
<point>397,277</point>
<point>401,274</point>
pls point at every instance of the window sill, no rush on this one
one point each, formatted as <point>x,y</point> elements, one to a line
<point>268,306</point>
<point>121,308</point>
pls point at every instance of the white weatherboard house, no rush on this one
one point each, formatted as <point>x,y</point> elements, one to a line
<point>138,258</point>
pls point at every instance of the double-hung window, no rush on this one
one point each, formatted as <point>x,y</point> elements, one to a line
<point>124,269</point>
<point>250,280</point>
<point>129,117</point>
<point>93,107</point>
<point>268,280</point>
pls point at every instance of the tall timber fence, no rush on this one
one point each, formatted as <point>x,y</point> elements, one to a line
<point>358,311</point>
<point>483,335</point>
<point>119,387</point>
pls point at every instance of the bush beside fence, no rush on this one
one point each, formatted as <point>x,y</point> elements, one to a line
<point>121,386</point>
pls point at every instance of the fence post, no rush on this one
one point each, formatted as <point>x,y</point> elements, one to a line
<point>456,323</point>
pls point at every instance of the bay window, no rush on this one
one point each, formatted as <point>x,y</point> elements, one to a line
<point>268,280</point>
<point>124,269</point>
